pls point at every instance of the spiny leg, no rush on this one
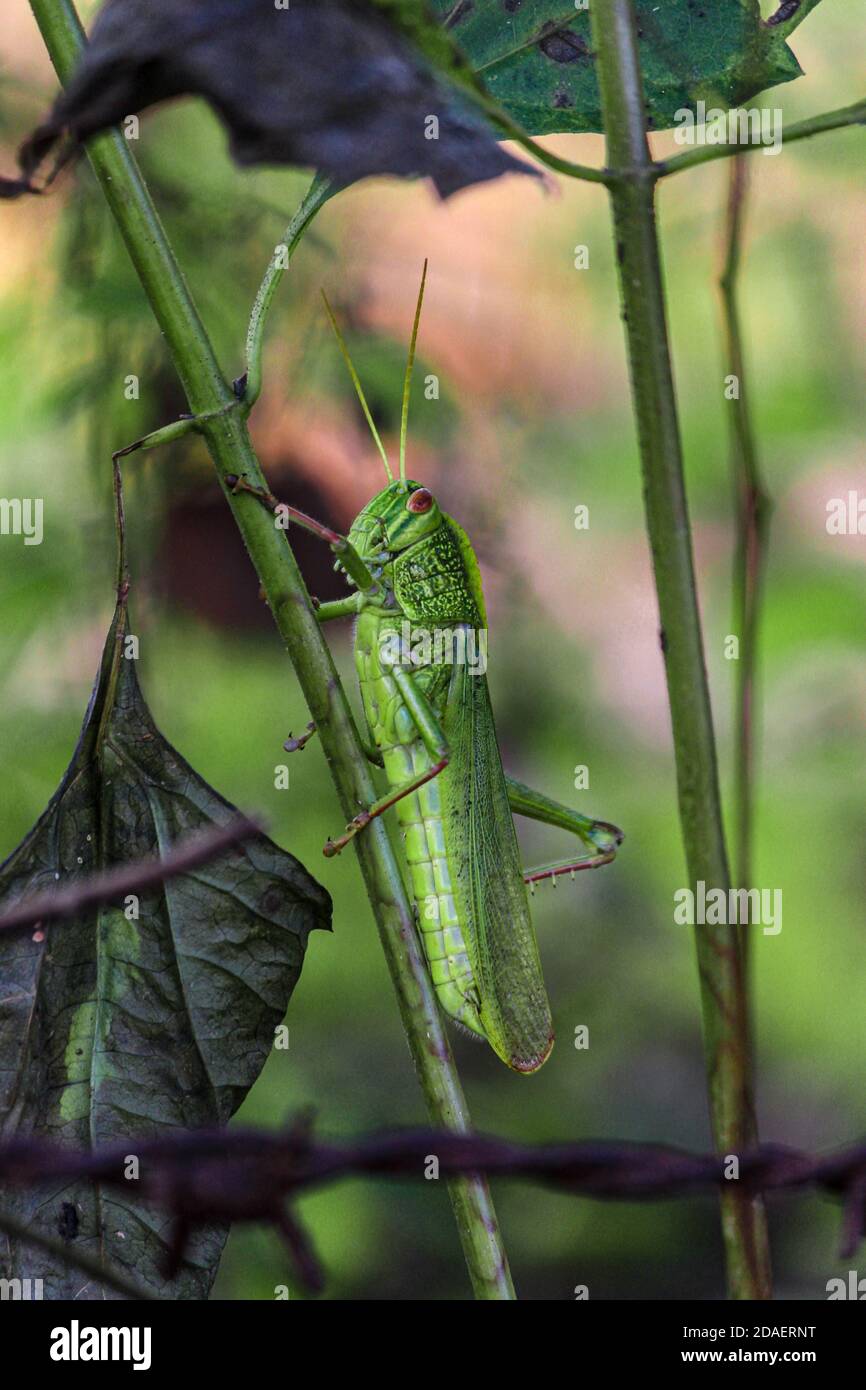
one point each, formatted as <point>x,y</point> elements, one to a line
<point>565,866</point>
<point>600,835</point>
<point>434,741</point>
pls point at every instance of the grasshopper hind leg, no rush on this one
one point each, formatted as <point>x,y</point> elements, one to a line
<point>601,837</point>
<point>565,866</point>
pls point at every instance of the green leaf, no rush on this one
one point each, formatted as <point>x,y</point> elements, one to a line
<point>418,22</point>
<point>114,1027</point>
<point>536,57</point>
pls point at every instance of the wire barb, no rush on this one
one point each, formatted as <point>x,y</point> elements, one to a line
<point>252,1175</point>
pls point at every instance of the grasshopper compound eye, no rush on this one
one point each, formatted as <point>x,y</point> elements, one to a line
<point>420,500</point>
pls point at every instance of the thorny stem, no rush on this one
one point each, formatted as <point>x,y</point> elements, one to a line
<point>753,509</point>
<point>228,441</point>
<point>725,1013</point>
<point>800,130</point>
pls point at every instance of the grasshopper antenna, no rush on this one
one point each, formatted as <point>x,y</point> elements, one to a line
<point>358,387</point>
<point>407,380</point>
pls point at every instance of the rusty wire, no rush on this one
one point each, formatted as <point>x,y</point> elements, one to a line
<point>245,1175</point>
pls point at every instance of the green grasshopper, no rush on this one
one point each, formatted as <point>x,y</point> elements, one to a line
<point>430,726</point>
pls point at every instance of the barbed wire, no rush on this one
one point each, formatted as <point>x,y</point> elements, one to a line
<point>136,876</point>
<point>203,1176</point>
<point>251,1175</point>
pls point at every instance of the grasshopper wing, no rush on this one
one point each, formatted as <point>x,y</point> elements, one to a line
<point>490,893</point>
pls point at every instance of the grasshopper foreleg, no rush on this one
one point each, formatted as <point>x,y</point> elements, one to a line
<point>434,741</point>
<point>347,557</point>
<point>339,607</point>
<point>602,837</point>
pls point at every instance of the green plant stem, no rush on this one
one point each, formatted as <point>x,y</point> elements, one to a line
<point>318,193</point>
<point>556,162</point>
<point>225,432</point>
<point>725,1014</point>
<point>752,511</point>
<point>800,130</point>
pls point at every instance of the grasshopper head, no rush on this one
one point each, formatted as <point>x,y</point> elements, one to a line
<point>397,517</point>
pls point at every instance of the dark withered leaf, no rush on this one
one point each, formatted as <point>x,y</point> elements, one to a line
<point>329,84</point>
<point>115,1026</point>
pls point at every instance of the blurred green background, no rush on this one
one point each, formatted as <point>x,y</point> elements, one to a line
<point>532,420</point>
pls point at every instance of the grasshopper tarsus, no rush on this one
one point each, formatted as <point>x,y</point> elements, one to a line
<point>297,745</point>
<point>335,847</point>
<point>570,867</point>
